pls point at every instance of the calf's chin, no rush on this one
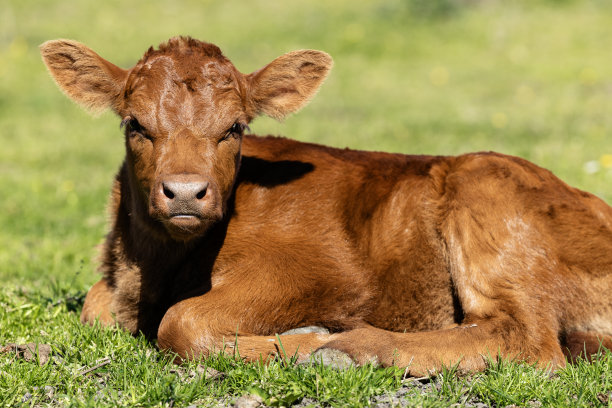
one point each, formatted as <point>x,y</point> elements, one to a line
<point>187,228</point>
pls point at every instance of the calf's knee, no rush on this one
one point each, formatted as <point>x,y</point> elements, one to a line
<point>179,334</point>
<point>97,305</point>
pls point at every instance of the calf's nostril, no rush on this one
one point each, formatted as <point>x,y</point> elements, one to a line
<point>200,195</point>
<point>167,192</point>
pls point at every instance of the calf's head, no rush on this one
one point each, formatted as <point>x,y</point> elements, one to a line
<point>184,108</point>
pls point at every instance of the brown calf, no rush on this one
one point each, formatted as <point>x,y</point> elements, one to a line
<point>410,260</point>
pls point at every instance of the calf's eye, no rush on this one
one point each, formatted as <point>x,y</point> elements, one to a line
<point>134,128</point>
<point>236,130</point>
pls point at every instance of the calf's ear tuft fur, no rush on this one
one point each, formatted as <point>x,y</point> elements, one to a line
<point>83,75</point>
<point>289,82</point>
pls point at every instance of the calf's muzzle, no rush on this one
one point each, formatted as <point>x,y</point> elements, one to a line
<point>185,204</point>
<point>183,195</point>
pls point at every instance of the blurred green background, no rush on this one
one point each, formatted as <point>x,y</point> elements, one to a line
<point>525,77</point>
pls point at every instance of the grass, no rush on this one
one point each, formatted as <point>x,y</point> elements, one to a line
<point>137,375</point>
<point>528,77</point>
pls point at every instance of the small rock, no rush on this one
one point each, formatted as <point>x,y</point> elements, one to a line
<point>332,358</point>
<point>212,374</point>
<point>208,373</point>
<point>603,398</point>
<point>249,401</point>
<point>29,352</point>
<point>306,330</point>
<point>49,391</point>
<point>177,371</point>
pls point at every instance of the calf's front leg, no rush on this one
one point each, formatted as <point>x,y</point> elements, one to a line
<point>97,305</point>
<point>201,325</point>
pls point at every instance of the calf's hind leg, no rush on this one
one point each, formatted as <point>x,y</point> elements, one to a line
<point>509,283</point>
<point>508,323</point>
<point>469,347</point>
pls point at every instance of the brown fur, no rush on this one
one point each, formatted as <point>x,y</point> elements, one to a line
<point>410,260</point>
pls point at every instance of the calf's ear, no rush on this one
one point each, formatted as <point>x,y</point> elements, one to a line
<point>83,75</point>
<point>289,82</point>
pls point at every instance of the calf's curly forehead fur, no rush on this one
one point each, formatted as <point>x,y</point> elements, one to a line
<point>185,62</point>
<point>417,261</point>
